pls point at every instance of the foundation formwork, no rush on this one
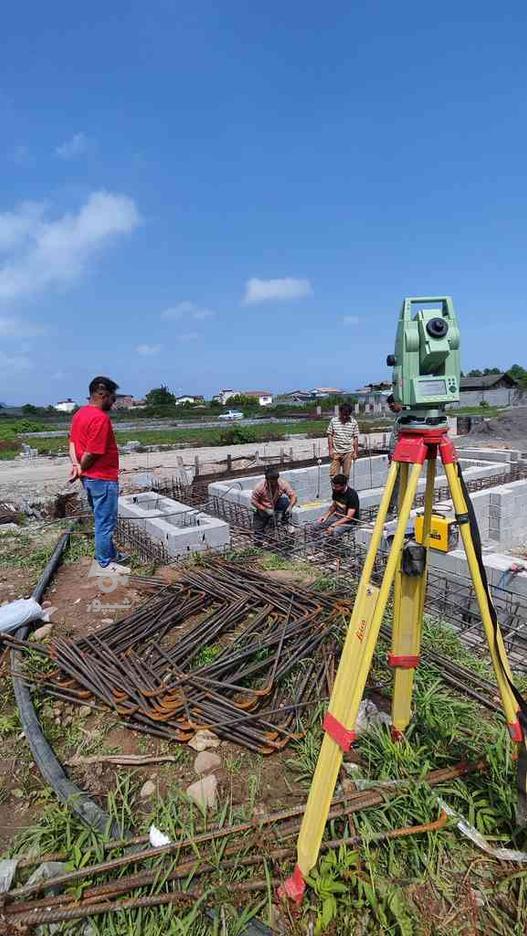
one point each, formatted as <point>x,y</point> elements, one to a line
<point>368,477</point>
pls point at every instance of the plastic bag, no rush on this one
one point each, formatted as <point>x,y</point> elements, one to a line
<point>17,613</point>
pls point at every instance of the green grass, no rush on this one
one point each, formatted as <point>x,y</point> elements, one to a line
<point>423,884</point>
<point>193,436</point>
<point>486,411</point>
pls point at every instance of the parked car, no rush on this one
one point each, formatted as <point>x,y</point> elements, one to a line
<point>231,414</point>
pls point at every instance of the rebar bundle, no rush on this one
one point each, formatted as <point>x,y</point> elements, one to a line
<point>225,648</point>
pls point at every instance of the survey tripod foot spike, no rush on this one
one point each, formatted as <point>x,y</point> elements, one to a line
<point>405,570</point>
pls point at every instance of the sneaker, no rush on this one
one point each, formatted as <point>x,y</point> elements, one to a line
<point>114,568</point>
<point>121,558</point>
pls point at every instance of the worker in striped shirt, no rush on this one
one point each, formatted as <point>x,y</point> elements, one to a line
<point>343,442</point>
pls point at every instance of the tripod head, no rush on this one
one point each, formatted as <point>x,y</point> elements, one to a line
<point>426,367</point>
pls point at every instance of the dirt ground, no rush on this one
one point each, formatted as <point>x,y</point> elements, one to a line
<point>80,606</point>
<point>509,429</point>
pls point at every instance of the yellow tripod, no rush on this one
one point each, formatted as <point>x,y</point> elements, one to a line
<point>414,448</point>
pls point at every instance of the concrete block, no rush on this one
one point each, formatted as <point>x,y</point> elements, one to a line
<point>181,529</point>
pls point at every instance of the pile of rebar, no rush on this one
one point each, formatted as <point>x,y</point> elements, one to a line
<point>225,648</point>
<point>268,840</point>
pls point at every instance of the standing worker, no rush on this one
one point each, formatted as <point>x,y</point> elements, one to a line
<point>343,441</point>
<point>272,499</point>
<point>95,460</point>
<point>397,410</point>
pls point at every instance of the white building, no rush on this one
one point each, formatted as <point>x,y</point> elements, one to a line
<point>188,399</point>
<point>224,396</point>
<point>66,406</point>
<point>264,397</point>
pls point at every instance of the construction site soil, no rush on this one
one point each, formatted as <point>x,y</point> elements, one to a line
<point>508,429</point>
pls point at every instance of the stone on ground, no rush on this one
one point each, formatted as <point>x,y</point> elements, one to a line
<point>148,789</point>
<point>204,739</point>
<point>203,792</point>
<point>206,762</point>
<point>42,632</point>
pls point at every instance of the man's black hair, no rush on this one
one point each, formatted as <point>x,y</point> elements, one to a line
<point>390,398</point>
<point>272,472</point>
<point>339,479</point>
<point>345,408</point>
<point>102,383</point>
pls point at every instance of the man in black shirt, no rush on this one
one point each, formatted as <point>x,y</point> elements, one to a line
<point>344,511</point>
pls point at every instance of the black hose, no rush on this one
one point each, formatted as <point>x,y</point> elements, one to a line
<point>66,791</point>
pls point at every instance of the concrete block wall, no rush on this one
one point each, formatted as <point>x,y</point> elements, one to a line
<point>182,529</point>
<point>313,487</point>
<point>509,456</point>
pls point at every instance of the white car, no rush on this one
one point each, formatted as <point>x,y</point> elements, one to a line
<point>231,414</point>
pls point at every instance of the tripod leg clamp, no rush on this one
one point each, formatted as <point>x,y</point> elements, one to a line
<point>515,731</point>
<point>294,887</point>
<point>403,662</point>
<point>336,730</point>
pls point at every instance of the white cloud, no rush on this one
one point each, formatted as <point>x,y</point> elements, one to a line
<point>188,336</point>
<point>44,253</point>
<point>77,145</point>
<point>12,327</point>
<point>17,226</point>
<point>146,350</point>
<point>14,363</point>
<point>350,319</point>
<point>259,290</point>
<point>58,375</point>
<point>186,310</point>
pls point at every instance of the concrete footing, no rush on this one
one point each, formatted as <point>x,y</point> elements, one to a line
<point>181,529</point>
<point>368,477</point>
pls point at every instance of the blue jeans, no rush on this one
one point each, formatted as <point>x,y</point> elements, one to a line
<point>103,498</point>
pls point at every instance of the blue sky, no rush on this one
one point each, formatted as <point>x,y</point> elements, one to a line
<point>240,194</point>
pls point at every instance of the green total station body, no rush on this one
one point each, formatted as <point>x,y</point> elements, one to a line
<point>426,366</point>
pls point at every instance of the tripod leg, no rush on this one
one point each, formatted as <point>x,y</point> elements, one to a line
<point>496,646</point>
<point>349,684</point>
<point>407,623</point>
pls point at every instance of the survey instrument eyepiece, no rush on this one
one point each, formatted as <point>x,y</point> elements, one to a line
<point>426,365</point>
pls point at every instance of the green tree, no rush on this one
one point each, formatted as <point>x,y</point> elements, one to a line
<point>160,396</point>
<point>242,400</point>
<point>475,373</point>
<point>517,372</point>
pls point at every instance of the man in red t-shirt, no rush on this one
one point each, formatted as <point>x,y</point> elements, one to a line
<point>95,460</point>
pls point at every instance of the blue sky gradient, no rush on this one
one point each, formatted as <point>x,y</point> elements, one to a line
<point>158,157</point>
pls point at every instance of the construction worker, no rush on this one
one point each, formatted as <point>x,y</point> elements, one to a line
<point>344,511</point>
<point>343,441</point>
<point>95,461</point>
<point>272,501</point>
<point>397,410</point>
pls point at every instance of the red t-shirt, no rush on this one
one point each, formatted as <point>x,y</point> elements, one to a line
<point>92,431</point>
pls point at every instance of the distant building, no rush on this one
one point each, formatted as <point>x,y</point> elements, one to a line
<point>65,406</point>
<point>264,397</point>
<point>224,396</point>
<point>372,398</point>
<point>124,401</point>
<point>297,396</point>
<point>320,393</point>
<point>180,401</point>
<point>492,389</point>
